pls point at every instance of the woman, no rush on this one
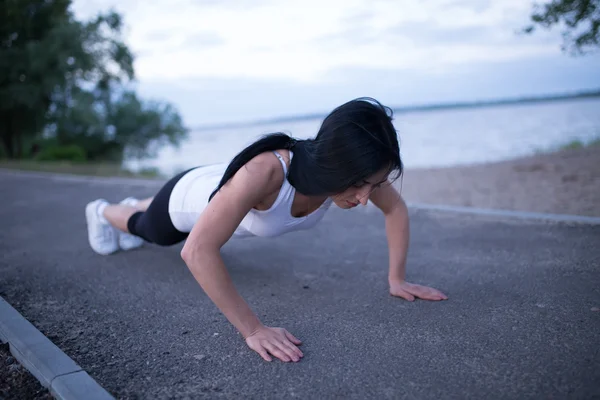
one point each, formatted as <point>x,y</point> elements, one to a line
<point>275,185</point>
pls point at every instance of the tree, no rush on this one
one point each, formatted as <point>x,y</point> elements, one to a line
<point>66,79</point>
<point>110,129</point>
<point>28,72</point>
<point>580,18</point>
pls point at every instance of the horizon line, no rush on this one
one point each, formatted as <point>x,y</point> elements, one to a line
<point>414,108</point>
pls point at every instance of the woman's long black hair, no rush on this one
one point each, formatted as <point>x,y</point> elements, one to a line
<point>355,141</point>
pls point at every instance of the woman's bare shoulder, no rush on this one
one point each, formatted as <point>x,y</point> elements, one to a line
<point>266,169</point>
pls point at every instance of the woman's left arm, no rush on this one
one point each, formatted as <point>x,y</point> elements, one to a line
<point>397,227</point>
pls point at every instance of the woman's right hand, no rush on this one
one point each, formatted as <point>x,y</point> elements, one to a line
<point>276,341</point>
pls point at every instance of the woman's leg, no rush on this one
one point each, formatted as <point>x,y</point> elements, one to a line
<point>128,224</point>
<point>149,219</point>
<point>142,205</point>
<point>118,214</point>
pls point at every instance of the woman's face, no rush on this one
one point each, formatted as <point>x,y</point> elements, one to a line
<point>359,193</point>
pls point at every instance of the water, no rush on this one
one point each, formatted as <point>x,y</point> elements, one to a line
<point>428,139</point>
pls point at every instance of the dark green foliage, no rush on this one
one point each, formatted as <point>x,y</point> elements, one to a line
<point>580,20</point>
<point>66,79</point>
<point>71,153</point>
<point>124,126</point>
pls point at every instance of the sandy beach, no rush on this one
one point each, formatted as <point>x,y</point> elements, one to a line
<point>565,182</point>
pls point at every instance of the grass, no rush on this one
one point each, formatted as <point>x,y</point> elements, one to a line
<point>572,145</point>
<point>578,144</point>
<point>90,169</point>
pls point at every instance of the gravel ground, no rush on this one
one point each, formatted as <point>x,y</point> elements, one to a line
<point>16,382</point>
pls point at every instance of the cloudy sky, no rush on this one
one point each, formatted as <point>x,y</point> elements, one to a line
<point>223,61</point>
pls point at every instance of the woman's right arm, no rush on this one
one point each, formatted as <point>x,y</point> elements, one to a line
<point>213,229</point>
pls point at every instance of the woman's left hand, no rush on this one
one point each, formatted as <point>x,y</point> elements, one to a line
<point>409,291</point>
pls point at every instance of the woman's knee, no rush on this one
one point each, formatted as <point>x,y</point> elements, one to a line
<point>154,230</point>
<point>161,239</point>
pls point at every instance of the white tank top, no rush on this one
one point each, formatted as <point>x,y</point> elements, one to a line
<point>190,196</point>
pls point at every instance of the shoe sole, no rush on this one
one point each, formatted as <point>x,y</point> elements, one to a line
<point>90,215</point>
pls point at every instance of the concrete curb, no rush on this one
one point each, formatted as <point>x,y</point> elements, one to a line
<point>53,368</point>
<point>562,218</point>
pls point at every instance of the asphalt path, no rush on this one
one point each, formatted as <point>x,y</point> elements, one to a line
<point>522,318</point>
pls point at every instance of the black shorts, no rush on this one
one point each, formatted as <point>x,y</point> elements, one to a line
<point>154,225</point>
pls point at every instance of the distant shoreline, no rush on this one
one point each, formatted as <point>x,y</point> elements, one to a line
<point>417,108</point>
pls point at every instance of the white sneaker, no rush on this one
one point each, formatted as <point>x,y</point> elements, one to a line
<point>101,234</point>
<point>127,241</point>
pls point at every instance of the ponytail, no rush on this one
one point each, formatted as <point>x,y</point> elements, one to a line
<point>270,142</point>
